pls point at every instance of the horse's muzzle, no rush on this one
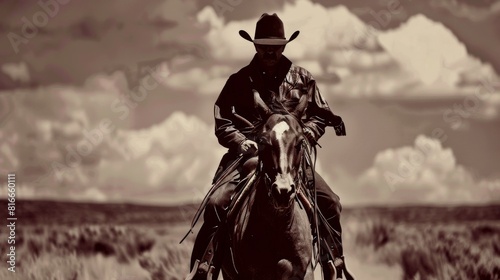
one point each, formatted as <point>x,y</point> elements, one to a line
<point>283,196</point>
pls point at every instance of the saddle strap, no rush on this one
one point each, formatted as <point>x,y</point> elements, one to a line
<point>208,256</point>
<point>306,203</point>
<point>215,186</point>
<point>241,195</point>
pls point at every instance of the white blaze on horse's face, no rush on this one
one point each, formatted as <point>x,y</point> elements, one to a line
<point>279,130</point>
<point>283,181</point>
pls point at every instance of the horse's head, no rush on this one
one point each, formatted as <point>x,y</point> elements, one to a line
<point>281,149</point>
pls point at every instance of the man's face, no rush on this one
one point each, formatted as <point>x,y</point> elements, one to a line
<point>269,55</point>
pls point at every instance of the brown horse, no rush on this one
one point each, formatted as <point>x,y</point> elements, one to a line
<point>271,237</point>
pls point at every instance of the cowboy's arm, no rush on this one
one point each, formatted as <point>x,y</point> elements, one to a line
<point>319,114</point>
<point>227,133</point>
<point>314,122</point>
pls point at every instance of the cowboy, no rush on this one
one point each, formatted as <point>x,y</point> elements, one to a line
<point>275,77</point>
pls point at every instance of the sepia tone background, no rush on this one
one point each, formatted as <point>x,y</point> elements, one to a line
<point>415,81</point>
<point>112,101</point>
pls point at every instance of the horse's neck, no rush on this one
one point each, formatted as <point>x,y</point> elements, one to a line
<point>265,213</point>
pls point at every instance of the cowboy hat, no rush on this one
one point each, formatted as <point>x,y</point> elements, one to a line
<point>269,30</point>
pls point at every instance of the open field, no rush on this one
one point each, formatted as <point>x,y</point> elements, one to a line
<point>76,241</point>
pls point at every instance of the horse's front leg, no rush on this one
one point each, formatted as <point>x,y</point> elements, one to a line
<point>309,273</point>
<point>285,271</point>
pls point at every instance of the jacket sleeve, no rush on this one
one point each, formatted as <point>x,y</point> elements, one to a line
<point>316,109</point>
<point>227,133</point>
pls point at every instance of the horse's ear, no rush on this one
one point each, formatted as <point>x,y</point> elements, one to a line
<point>260,105</point>
<point>301,107</point>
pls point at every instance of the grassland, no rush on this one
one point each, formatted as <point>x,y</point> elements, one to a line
<point>78,241</point>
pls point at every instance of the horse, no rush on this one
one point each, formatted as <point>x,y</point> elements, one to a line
<point>270,236</point>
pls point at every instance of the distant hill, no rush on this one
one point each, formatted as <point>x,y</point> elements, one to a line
<point>74,213</point>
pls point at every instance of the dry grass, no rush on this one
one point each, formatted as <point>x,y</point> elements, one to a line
<point>151,251</point>
<point>436,251</point>
<point>87,252</point>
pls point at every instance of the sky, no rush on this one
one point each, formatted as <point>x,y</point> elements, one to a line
<point>113,101</point>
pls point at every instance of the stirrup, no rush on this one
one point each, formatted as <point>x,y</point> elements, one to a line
<point>338,268</point>
<point>193,272</point>
<point>339,265</point>
<point>333,269</point>
<point>201,269</point>
<point>210,272</point>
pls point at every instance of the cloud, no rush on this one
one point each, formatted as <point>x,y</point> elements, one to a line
<point>433,54</point>
<point>321,29</point>
<point>92,29</point>
<point>23,191</point>
<point>174,158</point>
<point>92,194</point>
<point>172,10</point>
<point>156,163</point>
<point>419,57</point>
<point>71,138</point>
<point>204,79</point>
<point>14,75</point>
<point>333,43</point>
<point>424,173</point>
<point>475,73</point>
<point>223,40</point>
<point>48,123</point>
<point>388,82</point>
<point>476,12</point>
<point>17,71</point>
<point>423,47</point>
<point>173,22</point>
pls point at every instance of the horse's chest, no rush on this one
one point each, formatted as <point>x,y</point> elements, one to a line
<point>266,245</point>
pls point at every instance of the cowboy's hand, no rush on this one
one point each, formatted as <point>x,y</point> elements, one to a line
<point>340,129</point>
<point>248,146</point>
<point>309,135</point>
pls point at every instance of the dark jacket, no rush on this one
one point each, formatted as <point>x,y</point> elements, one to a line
<point>289,84</point>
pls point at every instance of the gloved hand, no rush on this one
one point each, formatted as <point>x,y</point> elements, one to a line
<point>248,146</point>
<point>340,129</point>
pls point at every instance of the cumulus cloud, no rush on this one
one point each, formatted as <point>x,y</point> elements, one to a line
<point>371,84</point>
<point>175,155</point>
<point>17,71</point>
<point>333,43</point>
<point>174,159</point>
<point>46,126</point>
<point>424,173</point>
<point>419,57</point>
<point>321,29</point>
<point>430,52</point>
<point>423,47</point>
<point>204,80</point>
<point>78,137</point>
<point>70,142</point>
